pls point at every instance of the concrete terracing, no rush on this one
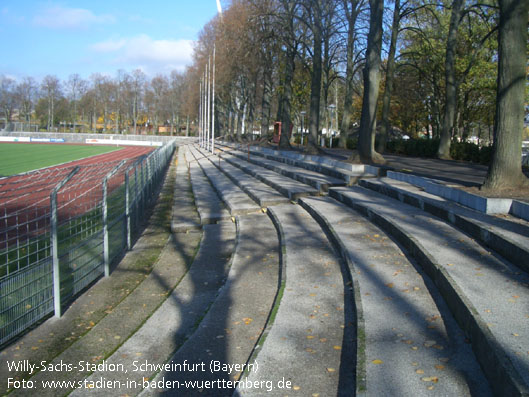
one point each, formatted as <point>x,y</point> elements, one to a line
<point>301,285</point>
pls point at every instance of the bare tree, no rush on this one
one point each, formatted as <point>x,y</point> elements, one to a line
<point>159,99</point>
<point>352,9</point>
<point>76,87</point>
<point>314,11</point>
<point>51,90</point>
<point>390,74</point>
<point>136,86</point>
<point>26,92</point>
<point>7,97</point>
<point>175,92</point>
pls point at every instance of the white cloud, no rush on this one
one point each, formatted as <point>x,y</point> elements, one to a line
<point>109,46</point>
<point>58,17</point>
<point>144,52</point>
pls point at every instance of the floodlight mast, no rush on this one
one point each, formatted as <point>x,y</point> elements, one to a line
<point>219,9</point>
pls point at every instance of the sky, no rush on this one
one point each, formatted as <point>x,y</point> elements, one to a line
<point>39,37</point>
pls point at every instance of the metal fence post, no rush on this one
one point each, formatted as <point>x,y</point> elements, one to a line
<point>127,210</point>
<point>57,303</point>
<point>106,247</point>
<point>105,230</point>
<point>136,197</point>
<point>142,186</point>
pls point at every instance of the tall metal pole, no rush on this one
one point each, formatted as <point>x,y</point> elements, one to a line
<point>200,135</point>
<point>204,109</point>
<point>213,107</point>
<point>209,101</point>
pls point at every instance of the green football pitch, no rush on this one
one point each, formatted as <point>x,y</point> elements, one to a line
<point>16,158</point>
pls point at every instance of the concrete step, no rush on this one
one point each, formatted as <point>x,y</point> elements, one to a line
<point>284,185</point>
<point>185,215</point>
<point>310,343</point>
<point>261,193</point>
<point>315,179</point>
<point>175,320</point>
<point>350,173</point>
<point>228,334</point>
<point>233,197</point>
<point>487,295</point>
<point>412,343</point>
<point>507,235</point>
<point>208,204</point>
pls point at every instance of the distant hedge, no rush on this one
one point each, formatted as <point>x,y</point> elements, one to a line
<point>465,151</point>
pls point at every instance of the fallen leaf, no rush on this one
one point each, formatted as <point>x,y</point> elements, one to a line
<point>377,362</point>
<point>419,371</point>
<point>433,379</point>
<point>439,366</point>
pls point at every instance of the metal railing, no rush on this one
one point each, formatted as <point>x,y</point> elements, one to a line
<point>60,229</point>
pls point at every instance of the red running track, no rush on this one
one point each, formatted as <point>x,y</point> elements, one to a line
<point>25,199</point>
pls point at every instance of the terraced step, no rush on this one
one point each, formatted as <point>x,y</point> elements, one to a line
<point>311,342</point>
<point>409,339</point>
<point>286,186</point>
<point>350,173</point>
<point>233,325</point>
<point>261,193</point>
<point>174,321</point>
<point>507,235</point>
<point>185,216</point>
<point>487,295</point>
<point>208,204</point>
<point>235,199</point>
<point>315,179</point>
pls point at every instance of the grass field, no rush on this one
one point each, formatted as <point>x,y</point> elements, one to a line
<point>16,158</point>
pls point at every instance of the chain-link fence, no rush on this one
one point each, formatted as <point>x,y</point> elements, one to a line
<point>61,228</point>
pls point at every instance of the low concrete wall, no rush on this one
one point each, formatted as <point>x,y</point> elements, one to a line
<point>478,203</point>
<point>81,138</point>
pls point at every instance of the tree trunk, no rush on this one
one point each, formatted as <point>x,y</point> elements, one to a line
<point>451,82</point>
<point>286,120</point>
<point>315,86</point>
<point>349,87</point>
<point>265,101</point>
<point>505,170</point>
<point>390,75</point>
<point>368,119</point>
